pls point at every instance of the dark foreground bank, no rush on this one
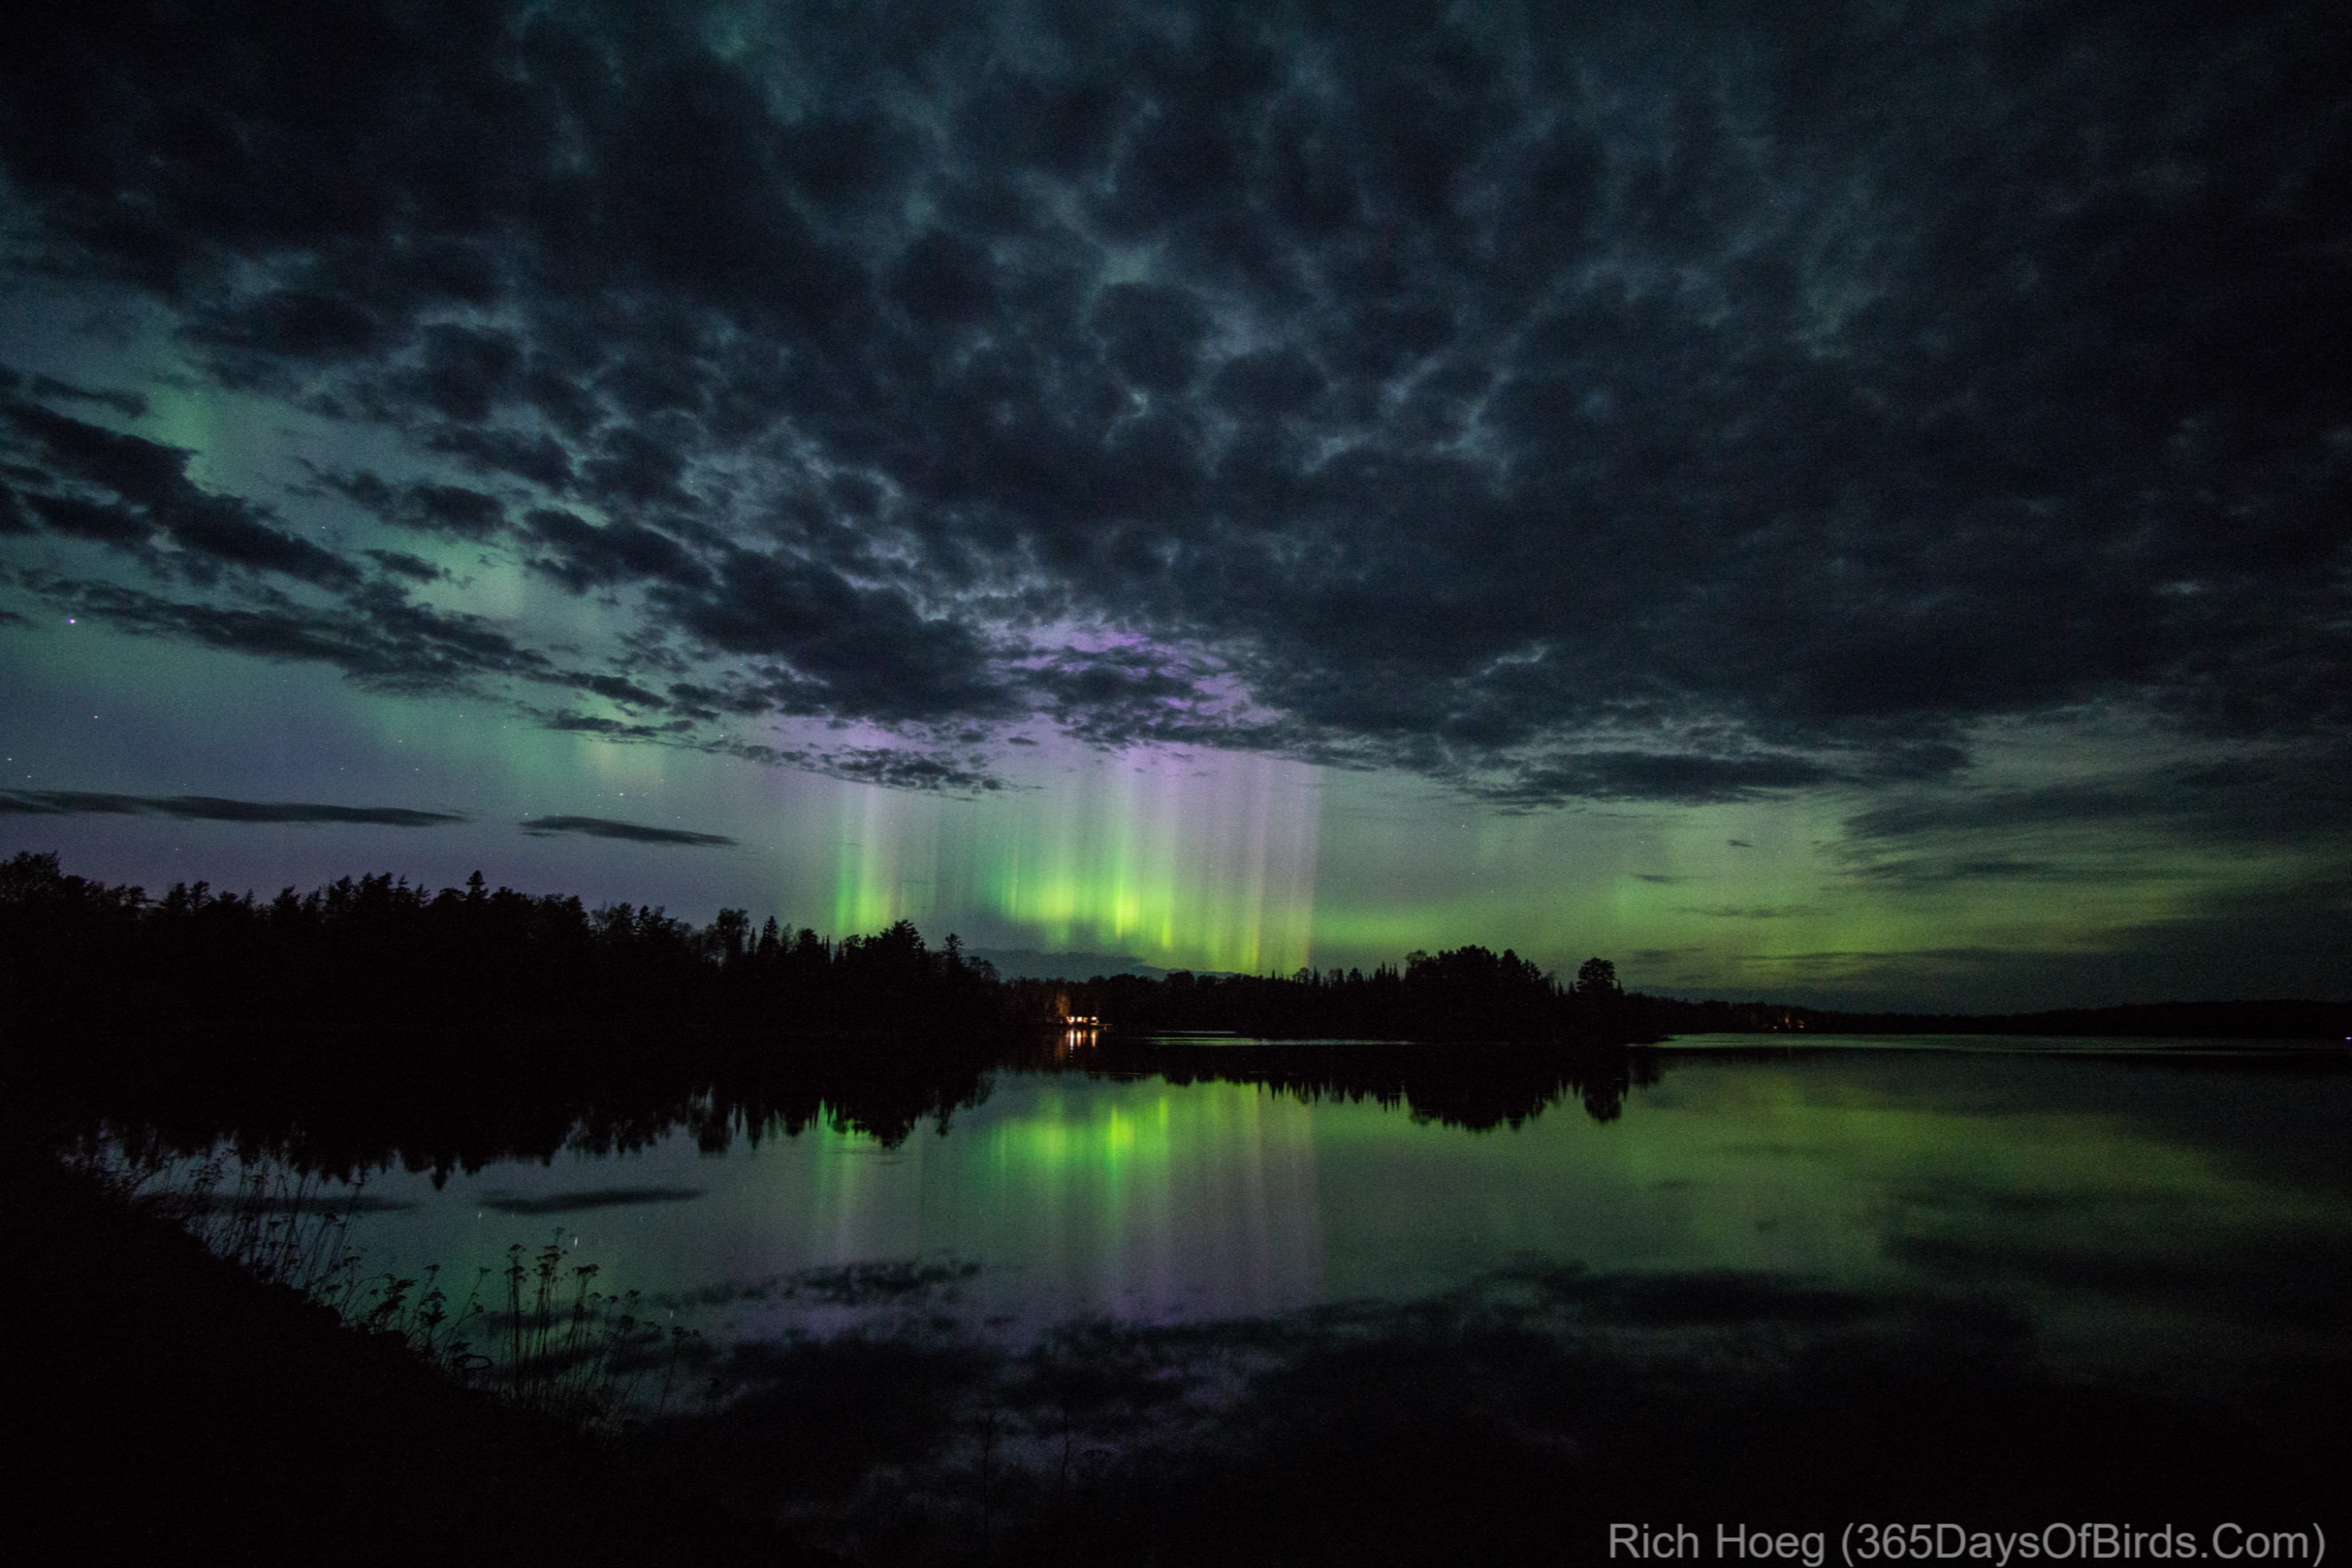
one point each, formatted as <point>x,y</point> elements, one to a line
<point>170,1408</point>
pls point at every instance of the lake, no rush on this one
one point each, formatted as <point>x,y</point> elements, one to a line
<point>1758,1244</point>
<point>2147,1208</point>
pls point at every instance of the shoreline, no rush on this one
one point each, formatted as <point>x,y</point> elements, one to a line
<point>178,1409</point>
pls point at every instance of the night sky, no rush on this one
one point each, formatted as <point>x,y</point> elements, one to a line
<point>1848,503</point>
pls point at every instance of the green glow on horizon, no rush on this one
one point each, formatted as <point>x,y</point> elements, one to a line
<point>1770,895</point>
<point>1205,860</point>
<point>1203,863</point>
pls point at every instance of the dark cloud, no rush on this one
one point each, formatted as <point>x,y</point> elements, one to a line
<point>539,458</point>
<point>211,808</point>
<point>252,339</point>
<point>89,519</point>
<point>1645,775</point>
<point>145,493</point>
<point>429,508</point>
<point>2282,941</point>
<point>618,689</point>
<point>586,556</point>
<point>130,404</point>
<point>1120,696</point>
<point>1928,870</point>
<point>1975,812</point>
<point>469,373</point>
<point>909,770</point>
<point>611,729</point>
<point>2278,795</point>
<point>634,470</point>
<point>377,635</point>
<point>892,767</point>
<point>943,281</point>
<point>1465,396</point>
<point>402,564</point>
<point>1751,911</point>
<point>602,827</point>
<point>844,648</point>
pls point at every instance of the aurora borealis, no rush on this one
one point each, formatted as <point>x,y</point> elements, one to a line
<point>1852,507</point>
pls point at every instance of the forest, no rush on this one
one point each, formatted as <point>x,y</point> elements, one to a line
<point>378,956</point>
<point>504,975</point>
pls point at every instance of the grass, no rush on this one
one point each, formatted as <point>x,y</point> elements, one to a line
<point>184,1407</point>
<point>548,1342</point>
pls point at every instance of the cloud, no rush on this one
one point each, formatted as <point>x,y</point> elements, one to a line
<point>602,827</point>
<point>143,491</point>
<point>2274,794</point>
<point>619,689</point>
<point>1650,775</point>
<point>1927,871</point>
<point>1752,912</point>
<point>426,507</point>
<point>2281,942</point>
<point>1790,401</point>
<point>597,724</point>
<point>586,556</point>
<point>212,808</point>
<point>378,635</point>
<point>906,770</point>
<point>130,404</point>
<point>890,766</point>
<point>402,565</point>
<point>841,647</point>
<point>2018,807</point>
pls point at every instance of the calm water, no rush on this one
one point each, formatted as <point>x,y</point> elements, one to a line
<point>2179,1214</point>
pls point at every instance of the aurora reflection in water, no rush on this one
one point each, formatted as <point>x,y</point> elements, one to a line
<point>2145,1218</point>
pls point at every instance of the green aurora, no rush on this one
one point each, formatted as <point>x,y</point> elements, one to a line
<point>1194,858</point>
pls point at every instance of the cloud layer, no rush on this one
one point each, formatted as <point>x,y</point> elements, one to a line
<point>1679,408</point>
<point>603,827</point>
<point>211,808</point>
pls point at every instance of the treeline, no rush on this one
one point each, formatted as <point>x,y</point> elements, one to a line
<point>371,1022</point>
<point>1465,994</point>
<point>379,956</point>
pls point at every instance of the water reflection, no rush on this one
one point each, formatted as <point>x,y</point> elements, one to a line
<point>2141,1209</point>
<point>2137,1214</point>
<point>1128,1291</point>
<point>1461,1084</point>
